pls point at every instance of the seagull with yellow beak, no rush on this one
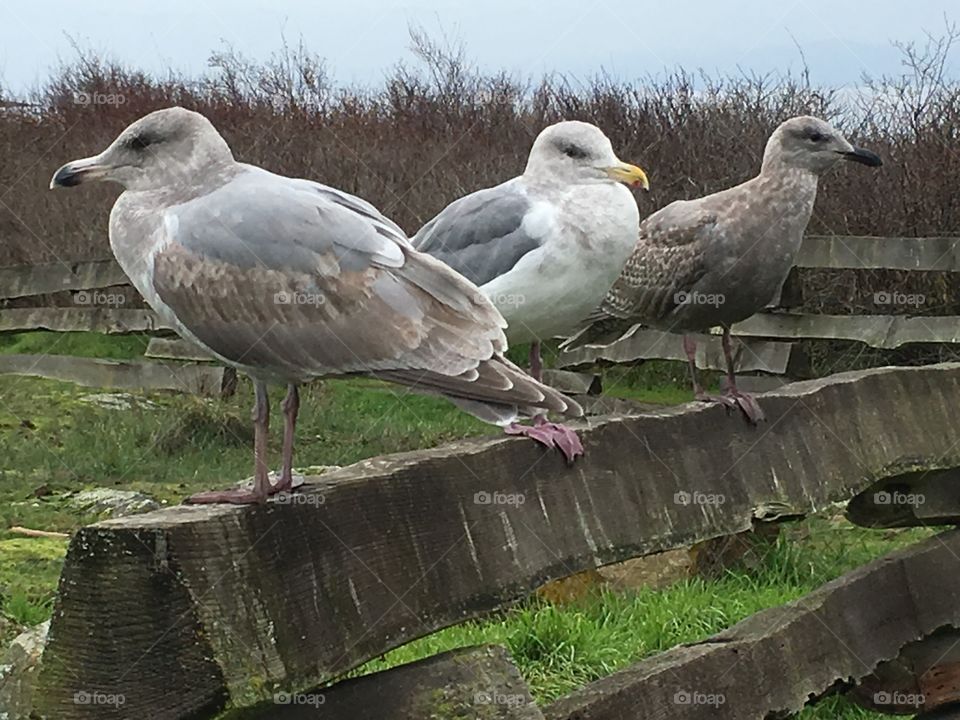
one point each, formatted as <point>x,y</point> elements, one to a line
<point>546,246</point>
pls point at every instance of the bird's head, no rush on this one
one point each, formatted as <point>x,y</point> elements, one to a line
<point>812,144</point>
<point>578,153</point>
<point>170,147</point>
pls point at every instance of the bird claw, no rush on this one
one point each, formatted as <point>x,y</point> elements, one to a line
<point>247,495</point>
<point>748,406</point>
<point>733,399</point>
<point>234,496</point>
<point>551,435</point>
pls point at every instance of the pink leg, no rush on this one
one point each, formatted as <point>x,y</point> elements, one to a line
<point>551,435</point>
<point>291,406</point>
<point>745,401</point>
<point>536,362</point>
<point>690,348</point>
<point>261,476</point>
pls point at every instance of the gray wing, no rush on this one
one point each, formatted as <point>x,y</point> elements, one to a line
<point>666,263</point>
<point>481,235</point>
<point>276,275</point>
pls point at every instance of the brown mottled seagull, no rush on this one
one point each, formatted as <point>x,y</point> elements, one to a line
<point>719,259</point>
<point>546,245</point>
<point>290,280</point>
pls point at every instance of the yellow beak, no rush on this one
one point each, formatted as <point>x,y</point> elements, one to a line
<point>629,174</point>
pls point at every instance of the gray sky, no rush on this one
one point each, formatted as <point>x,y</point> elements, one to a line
<point>361,39</point>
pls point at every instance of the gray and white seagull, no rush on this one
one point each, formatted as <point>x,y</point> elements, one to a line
<point>290,280</point>
<point>719,259</point>
<point>545,246</point>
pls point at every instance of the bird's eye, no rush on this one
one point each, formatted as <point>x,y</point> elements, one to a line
<point>140,141</point>
<point>574,151</point>
<point>816,136</point>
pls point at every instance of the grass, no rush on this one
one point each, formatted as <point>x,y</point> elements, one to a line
<point>561,648</point>
<point>54,441</point>
<point>82,344</point>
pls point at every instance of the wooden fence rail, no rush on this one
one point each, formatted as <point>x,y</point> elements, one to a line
<point>185,610</point>
<point>31,280</point>
<point>766,338</point>
<point>817,251</point>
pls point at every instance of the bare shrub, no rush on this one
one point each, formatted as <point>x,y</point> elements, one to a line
<point>439,128</point>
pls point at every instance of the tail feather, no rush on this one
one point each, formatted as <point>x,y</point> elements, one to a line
<point>602,331</point>
<point>492,413</point>
<point>496,391</point>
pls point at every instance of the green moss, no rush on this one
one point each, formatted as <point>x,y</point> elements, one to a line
<point>29,569</point>
<point>80,344</point>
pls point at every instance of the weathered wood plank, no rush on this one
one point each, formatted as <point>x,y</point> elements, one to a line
<point>609,405</point>
<point>759,336</point>
<point>921,497</point>
<point>106,320</point>
<point>176,349</point>
<point>773,662</point>
<point>925,676</point>
<point>303,588</point>
<point>135,375</point>
<point>647,344</point>
<point>879,331</point>
<point>476,683</point>
<point>29,280</point>
<point>761,383</point>
<point>875,253</point>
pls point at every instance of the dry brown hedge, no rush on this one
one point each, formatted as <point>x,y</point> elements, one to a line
<point>426,137</point>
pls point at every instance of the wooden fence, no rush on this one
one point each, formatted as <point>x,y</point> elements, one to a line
<point>767,339</point>
<point>181,612</point>
<point>96,297</point>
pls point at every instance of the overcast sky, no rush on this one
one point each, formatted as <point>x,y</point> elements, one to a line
<point>361,39</point>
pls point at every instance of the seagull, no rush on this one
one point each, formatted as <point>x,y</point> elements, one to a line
<point>544,247</point>
<point>289,280</point>
<point>719,259</point>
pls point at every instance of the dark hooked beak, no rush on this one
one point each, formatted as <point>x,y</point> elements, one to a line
<point>864,157</point>
<point>78,171</point>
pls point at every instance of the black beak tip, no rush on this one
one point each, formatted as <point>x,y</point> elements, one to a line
<point>65,177</point>
<point>864,157</point>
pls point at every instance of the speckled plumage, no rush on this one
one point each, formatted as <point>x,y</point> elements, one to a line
<point>719,259</point>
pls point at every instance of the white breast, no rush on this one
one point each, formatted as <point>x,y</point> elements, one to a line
<point>587,237</point>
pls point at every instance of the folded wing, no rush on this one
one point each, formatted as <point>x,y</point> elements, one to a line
<point>295,280</point>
